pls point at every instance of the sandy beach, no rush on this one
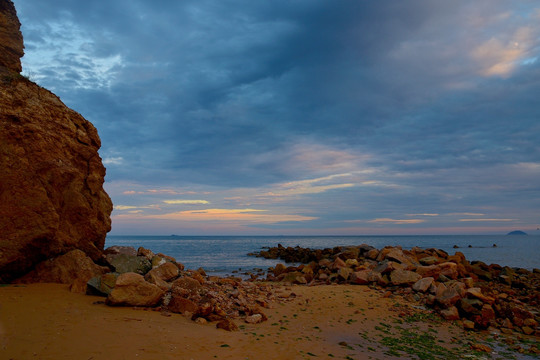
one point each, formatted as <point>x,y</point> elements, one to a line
<point>46,321</point>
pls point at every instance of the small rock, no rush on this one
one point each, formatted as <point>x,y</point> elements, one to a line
<point>148,254</point>
<point>451,313</point>
<point>254,319</point>
<point>201,321</point>
<point>481,347</point>
<point>227,324</point>
<point>468,324</point>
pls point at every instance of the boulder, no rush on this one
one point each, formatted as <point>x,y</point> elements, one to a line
<point>360,277</point>
<point>179,304</point>
<point>344,273</point>
<point>64,269</point>
<point>279,269</point>
<point>165,272</point>
<point>51,180</point>
<point>470,306</point>
<point>448,297</point>
<point>102,285</point>
<point>403,277</point>
<point>123,263</point>
<point>447,269</point>
<point>423,284</point>
<point>477,293</point>
<point>132,290</point>
<point>185,284</point>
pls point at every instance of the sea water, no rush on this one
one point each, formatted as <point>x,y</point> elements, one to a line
<point>227,254</point>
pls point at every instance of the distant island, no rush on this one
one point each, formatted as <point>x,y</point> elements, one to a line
<point>517,232</point>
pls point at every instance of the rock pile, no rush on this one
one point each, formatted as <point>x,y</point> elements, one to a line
<point>142,278</point>
<point>480,295</point>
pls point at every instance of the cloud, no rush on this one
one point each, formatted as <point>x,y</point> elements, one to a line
<point>334,110</point>
<point>487,220</point>
<point>245,216</point>
<point>499,57</point>
<point>185,202</point>
<point>396,221</point>
<point>113,160</point>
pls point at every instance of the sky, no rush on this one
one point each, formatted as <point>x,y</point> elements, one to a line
<point>304,117</point>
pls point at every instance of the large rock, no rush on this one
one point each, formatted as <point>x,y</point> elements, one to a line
<point>404,277</point>
<point>64,269</point>
<point>11,40</point>
<point>51,179</point>
<point>132,290</point>
<point>123,263</point>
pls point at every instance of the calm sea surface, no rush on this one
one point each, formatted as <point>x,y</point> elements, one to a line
<point>224,254</point>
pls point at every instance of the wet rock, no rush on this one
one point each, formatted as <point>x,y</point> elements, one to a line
<point>132,290</point>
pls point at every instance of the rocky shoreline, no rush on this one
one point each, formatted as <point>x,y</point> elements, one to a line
<point>477,294</point>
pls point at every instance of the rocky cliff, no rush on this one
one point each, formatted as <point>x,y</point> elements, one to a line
<point>51,176</point>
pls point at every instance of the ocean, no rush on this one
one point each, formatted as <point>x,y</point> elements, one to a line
<point>223,255</point>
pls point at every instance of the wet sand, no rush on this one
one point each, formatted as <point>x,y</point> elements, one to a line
<point>46,321</point>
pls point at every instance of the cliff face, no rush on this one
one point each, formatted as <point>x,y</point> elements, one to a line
<point>11,40</point>
<point>51,176</point>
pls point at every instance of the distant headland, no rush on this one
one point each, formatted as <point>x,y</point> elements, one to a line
<point>517,232</point>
